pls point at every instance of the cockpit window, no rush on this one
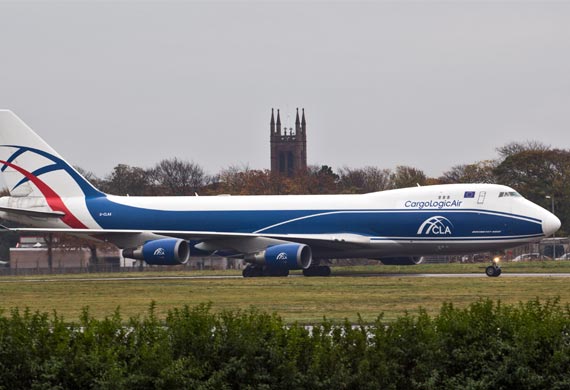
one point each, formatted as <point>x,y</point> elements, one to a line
<point>509,193</point>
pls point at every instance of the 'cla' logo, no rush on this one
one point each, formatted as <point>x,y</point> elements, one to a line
<point>160,252</point>
<point>282,256</point>
<point>436,225</point>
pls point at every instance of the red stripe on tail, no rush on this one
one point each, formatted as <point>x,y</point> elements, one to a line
<point>54,200</point>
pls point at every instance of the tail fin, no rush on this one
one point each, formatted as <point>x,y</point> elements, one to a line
<point>30,167</point>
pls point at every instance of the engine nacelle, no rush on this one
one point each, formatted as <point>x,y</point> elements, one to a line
<point>289,256</point>
<point>166,251</point>
<point>402,260</point>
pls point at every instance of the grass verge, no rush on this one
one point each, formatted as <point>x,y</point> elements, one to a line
<point>296,299</point>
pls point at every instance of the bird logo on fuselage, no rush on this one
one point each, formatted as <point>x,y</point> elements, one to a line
<point>437,225</point>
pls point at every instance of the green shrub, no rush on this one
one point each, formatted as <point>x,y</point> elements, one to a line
<point>484,346</point>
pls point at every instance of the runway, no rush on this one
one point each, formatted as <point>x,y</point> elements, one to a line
<point>10,279</point>
<point>470,275</point>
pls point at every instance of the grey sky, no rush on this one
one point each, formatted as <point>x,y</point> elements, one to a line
<point>430,84</point>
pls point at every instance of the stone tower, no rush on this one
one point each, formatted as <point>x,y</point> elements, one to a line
<point>288,147</point>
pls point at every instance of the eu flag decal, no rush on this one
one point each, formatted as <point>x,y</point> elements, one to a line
<point>469,194</point>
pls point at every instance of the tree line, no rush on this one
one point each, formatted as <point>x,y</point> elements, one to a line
<point>533,169</point>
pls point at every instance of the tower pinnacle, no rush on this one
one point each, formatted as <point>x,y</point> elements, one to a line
<point>288,149</point>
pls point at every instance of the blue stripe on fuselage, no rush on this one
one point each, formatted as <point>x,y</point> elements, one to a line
<point>372,223</point>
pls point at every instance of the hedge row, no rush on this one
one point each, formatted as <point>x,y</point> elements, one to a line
<point>484,346</point>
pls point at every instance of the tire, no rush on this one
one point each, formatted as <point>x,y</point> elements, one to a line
<point>277,272</point>
<point>490,271</point>
<point>325,270</point>
<point>252,272</point>
<point>322,270</point>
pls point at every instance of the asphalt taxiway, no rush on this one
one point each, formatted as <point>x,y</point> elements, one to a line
<point>9,279</point>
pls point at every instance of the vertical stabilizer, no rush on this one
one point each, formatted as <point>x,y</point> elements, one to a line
<point>30,167</point>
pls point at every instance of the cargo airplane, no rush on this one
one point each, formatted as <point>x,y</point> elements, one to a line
<point>273,234</point>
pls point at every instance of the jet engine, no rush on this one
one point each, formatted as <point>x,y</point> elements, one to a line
<point>165,251</point>
<point>403,260</point>
<point>285,256</point>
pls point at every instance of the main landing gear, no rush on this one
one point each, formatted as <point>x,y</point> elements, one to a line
<point>252,271</point>
<point>494,269</point>
<point>319,270</point>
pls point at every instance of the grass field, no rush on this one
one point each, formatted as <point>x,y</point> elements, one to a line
<point>294,298</point>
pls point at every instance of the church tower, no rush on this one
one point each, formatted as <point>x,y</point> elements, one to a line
<point>288,146</point>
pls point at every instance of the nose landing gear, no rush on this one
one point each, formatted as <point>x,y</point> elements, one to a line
<point>494,269</point>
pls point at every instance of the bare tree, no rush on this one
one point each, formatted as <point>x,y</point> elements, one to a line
<point>178,177</point>
<point>518,147</point>
<point>363,180</point>
<point>90,177</point>
<point>233,179</point>
<point>405,176</point>
<point>479,172</point>
<point>127,180</point>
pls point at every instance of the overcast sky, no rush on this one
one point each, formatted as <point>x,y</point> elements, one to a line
<point>426,84</point>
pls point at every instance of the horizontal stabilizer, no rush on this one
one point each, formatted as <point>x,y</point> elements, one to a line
<point>33,213</point>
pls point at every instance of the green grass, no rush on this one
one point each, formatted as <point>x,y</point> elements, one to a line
<point>296,299</point>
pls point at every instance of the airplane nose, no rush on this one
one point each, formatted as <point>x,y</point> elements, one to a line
<point>550,224</point>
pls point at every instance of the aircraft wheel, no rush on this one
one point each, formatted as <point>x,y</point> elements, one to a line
<point>276,272</point>
<point>492,271</point>
<point>322,270</point>
<point>246,273</point>
<point>251,272</point>
<point>325,270</point>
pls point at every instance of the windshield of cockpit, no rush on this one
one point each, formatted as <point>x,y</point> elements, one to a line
<point>505,194</point>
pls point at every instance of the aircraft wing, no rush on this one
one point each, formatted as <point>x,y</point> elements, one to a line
<point>213,241</point>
